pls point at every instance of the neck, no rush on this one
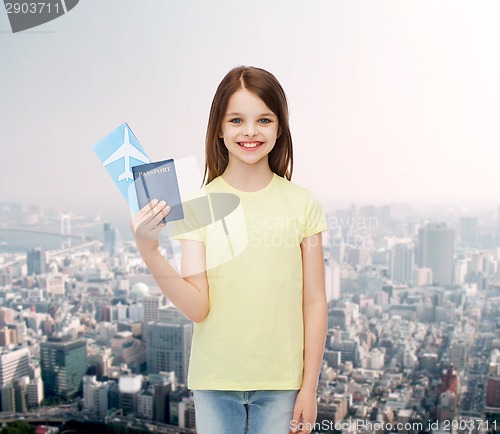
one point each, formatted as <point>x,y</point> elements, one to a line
<point>248,177</point>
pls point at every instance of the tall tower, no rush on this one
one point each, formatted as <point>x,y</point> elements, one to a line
<point>152,304</point>
<point>169,348</point>
<point>36,261</point>
<point>435,251</point>
<point>402,259</point>
<point>66,229</point>
<point>64,363</point>
<point>110,233</point>
<point>169,343</point>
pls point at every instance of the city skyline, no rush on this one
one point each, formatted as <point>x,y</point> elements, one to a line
<point>395,102</point>
<point>411,336</point>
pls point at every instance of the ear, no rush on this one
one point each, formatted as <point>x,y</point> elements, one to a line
<point>221,136</point>
<point>280,130</point>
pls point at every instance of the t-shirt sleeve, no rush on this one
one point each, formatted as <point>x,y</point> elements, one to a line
<point>315,220</point>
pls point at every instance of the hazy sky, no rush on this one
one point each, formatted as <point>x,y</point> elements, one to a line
<point>390,100</point>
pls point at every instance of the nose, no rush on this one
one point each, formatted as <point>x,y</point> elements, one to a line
<point>250,129</point>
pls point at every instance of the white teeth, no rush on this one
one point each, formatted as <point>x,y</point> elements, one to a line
<point>250,145</point>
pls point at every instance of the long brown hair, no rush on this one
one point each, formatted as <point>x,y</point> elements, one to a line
<point>265,85</point>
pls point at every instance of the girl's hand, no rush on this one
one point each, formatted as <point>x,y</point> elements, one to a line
<point>146,226</point>
<point>304,412</point>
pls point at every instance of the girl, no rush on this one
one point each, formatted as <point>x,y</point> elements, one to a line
<point>252,281</point>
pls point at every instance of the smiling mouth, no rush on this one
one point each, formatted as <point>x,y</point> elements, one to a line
<point>249,144</point>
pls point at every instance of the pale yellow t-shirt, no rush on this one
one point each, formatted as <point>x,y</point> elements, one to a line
<point>253,335</point>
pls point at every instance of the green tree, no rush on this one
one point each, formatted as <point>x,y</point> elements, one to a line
<point>18,427</point>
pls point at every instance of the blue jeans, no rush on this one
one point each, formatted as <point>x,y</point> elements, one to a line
<point>244,412</point>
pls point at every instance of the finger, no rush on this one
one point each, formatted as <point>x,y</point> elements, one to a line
<point>146,208</point>
<point>159,217</point>
<point>308,424</point>
<point>143,214</point>
<point>151,213</point>
<point>295,420</point>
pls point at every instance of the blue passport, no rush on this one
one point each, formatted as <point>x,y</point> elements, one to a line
<point>158,180</point>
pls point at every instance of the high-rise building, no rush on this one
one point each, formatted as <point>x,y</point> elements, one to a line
<point>469,232</point>
<point>6,315</point>
<point>449,382</point>
<point>332,281</point>
<point>476,263</point>
<point>36,261</point>
<point>402,260</point>
<point>129,350</point>
<point>460,271</point>
<point>375,359</point>
<point>105,331</point>
<point>118,312</point>
<point>152,304</point>
<point>493,385</point>
<point>18,331</point>
<point>170,313</point>
<point>493,393</point>
<point>8,398</point>
<point>428,361</point>
<point>110,238</point>
<point>89,388</point>
<point>447,403</point>
<point>55,284</point>
<point>174,398</point>
<point>135,327</point>
<point>7,336</point>
<point>169,347</point>
<point>100,358</point>
<point>459,354</point>
<point>145,405</point>
<point>95,395</point>
<point>113,395</point>
<point>161,402</point>
<point>136,311</point>
<point>187,413</point>
<point>435,251</point>
<point>20,393</point>
<point>339,317</point>
<point>14,395</point>
<point>64,363</point>
<point>35,392</point>
<point>130,388</point>
<point>101,398</point>
<point>422,277</point>
<point>349,351</point>
<point>332,408</point>
<point>14,364</point>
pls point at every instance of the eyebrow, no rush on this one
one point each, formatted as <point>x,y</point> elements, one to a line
<point>239,114</point>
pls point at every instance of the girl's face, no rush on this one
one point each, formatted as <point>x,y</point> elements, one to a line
<point>249,129</point>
